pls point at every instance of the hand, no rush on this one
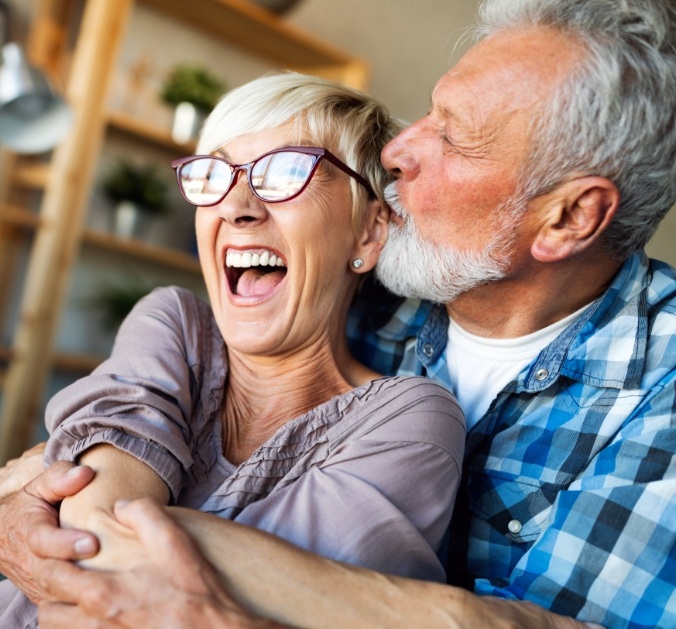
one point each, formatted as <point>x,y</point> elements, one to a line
<point>168,585</point>
<point>29,525</point>
<point>18,472</point>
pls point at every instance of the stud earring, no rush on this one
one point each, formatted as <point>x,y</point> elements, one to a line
<point>358,263</point>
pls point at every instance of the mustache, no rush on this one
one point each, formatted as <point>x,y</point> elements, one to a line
<point>392,199</point>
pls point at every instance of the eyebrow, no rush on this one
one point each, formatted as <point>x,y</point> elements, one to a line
<point>224,154</point>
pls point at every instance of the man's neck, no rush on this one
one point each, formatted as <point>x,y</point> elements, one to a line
<point>520,305</point>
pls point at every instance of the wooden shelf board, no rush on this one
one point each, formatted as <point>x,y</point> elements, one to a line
<point>139,249</point>
<point>64,361</point>
<point>178,260</point>
<point>254,29</point>
<point>31,175</point>
<point>125,123</point>
<point>18,216</point>
<point>76,363</point>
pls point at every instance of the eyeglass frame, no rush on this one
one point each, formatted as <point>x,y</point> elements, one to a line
<point>317,152</point>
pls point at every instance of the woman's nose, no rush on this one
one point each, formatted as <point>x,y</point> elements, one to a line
<point>241,207</point>
<point>399,154</point>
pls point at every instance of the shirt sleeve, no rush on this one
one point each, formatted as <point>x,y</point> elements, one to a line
<point>382,500</point>
<point>137,400</point>
<point>607,551</point>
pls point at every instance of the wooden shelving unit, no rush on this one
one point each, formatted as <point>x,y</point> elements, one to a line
<point>264,34</point>
<point>169,258</point>
<point>124,123</point>
<point>176,260</point>
<point>58,230</point>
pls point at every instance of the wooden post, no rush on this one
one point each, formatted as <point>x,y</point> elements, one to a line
<point>62,215</point>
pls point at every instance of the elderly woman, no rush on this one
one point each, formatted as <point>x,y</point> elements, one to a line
<point>253,409</point>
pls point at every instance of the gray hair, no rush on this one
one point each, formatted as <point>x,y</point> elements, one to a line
<point>615,115</point>
<point>349,123</point>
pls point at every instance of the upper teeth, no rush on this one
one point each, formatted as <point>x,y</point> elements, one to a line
<point>247,259</point>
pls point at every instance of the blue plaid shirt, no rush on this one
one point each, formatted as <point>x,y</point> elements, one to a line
<point>569,482</point>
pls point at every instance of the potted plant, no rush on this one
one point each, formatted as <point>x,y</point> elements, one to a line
<point>116,301</point>
<point>138,191</point>
<point>193,91</point>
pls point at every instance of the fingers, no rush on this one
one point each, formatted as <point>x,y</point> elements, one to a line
<point>17,472</point>
<point>44,537</point>
<point>152,525</point>
<point>61,580</point>
<point>64,616</point>
<point>92,591</point>
<point>60,480</point>
<point>38,448</point>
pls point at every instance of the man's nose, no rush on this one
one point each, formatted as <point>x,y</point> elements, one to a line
<point>398,155</point>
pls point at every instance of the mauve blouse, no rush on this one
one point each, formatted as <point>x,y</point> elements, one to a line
<point>368,477</point>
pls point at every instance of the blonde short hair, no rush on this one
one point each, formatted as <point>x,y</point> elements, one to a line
<point>349,123</point>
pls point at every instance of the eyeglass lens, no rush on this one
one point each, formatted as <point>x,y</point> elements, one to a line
<point>273,177</point>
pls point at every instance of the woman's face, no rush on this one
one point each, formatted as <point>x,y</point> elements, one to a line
<point>264,309</point>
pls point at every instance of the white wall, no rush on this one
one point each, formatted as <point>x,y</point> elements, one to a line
<point>410,44</point>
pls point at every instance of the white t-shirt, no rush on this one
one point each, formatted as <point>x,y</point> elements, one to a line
<point>480,367</point>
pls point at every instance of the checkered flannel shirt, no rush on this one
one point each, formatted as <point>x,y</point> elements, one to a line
<point>569,491</point>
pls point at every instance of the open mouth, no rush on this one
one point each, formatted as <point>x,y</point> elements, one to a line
<point>254,272</point>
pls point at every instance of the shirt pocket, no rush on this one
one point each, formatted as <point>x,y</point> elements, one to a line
<point>515,506</point>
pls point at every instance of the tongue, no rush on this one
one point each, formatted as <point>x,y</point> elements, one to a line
<point>254,282</point>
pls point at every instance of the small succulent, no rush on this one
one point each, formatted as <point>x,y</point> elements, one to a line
<point>116,301</point>
<point>138,183</point>
<point>192,83</point>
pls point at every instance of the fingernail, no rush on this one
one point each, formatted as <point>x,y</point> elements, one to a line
<point>84,546</point>
<point>74,471</point>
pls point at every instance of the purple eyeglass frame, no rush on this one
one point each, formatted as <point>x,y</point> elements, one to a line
<point>315,151</point>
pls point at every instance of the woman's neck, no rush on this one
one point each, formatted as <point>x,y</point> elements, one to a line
<point>264,393</point>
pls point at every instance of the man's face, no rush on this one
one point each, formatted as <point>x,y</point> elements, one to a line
<point>413,266</point>
<point>457,168</point>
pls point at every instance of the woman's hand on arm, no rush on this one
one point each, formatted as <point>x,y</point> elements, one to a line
<point>119,476</point>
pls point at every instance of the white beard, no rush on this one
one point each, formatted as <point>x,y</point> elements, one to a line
<point>411,266</point>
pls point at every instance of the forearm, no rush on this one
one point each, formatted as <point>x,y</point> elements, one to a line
<point>119,476</point>
<point>18,472</point>
<point>281,581</point>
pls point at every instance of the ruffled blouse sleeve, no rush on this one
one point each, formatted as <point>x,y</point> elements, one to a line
<point>141,399</point>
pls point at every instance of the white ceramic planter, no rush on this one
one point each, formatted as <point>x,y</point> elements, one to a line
<point>187,123</point>
<point>131,221</point>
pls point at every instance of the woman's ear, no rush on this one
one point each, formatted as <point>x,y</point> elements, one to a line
<point>371,238</point>
<point>575,214</point>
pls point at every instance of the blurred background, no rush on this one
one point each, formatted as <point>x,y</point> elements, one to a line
<point>92,221</point>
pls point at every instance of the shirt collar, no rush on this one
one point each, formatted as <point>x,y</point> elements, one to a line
<point>606,345</point>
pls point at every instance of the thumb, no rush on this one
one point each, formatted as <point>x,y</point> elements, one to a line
<point>151,524</point>
<point>60,480</point>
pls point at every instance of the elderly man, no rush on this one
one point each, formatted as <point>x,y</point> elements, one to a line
<point>522,202</point>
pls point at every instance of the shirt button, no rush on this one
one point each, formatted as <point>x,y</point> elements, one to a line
<point>515,527</point>
<point>541,374</point>
<point>428,350</point>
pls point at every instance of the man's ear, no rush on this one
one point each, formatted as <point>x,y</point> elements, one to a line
<point>371,237</point>
<point>575,214</point>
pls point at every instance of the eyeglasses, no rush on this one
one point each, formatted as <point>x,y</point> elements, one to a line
<point>279,175</point>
